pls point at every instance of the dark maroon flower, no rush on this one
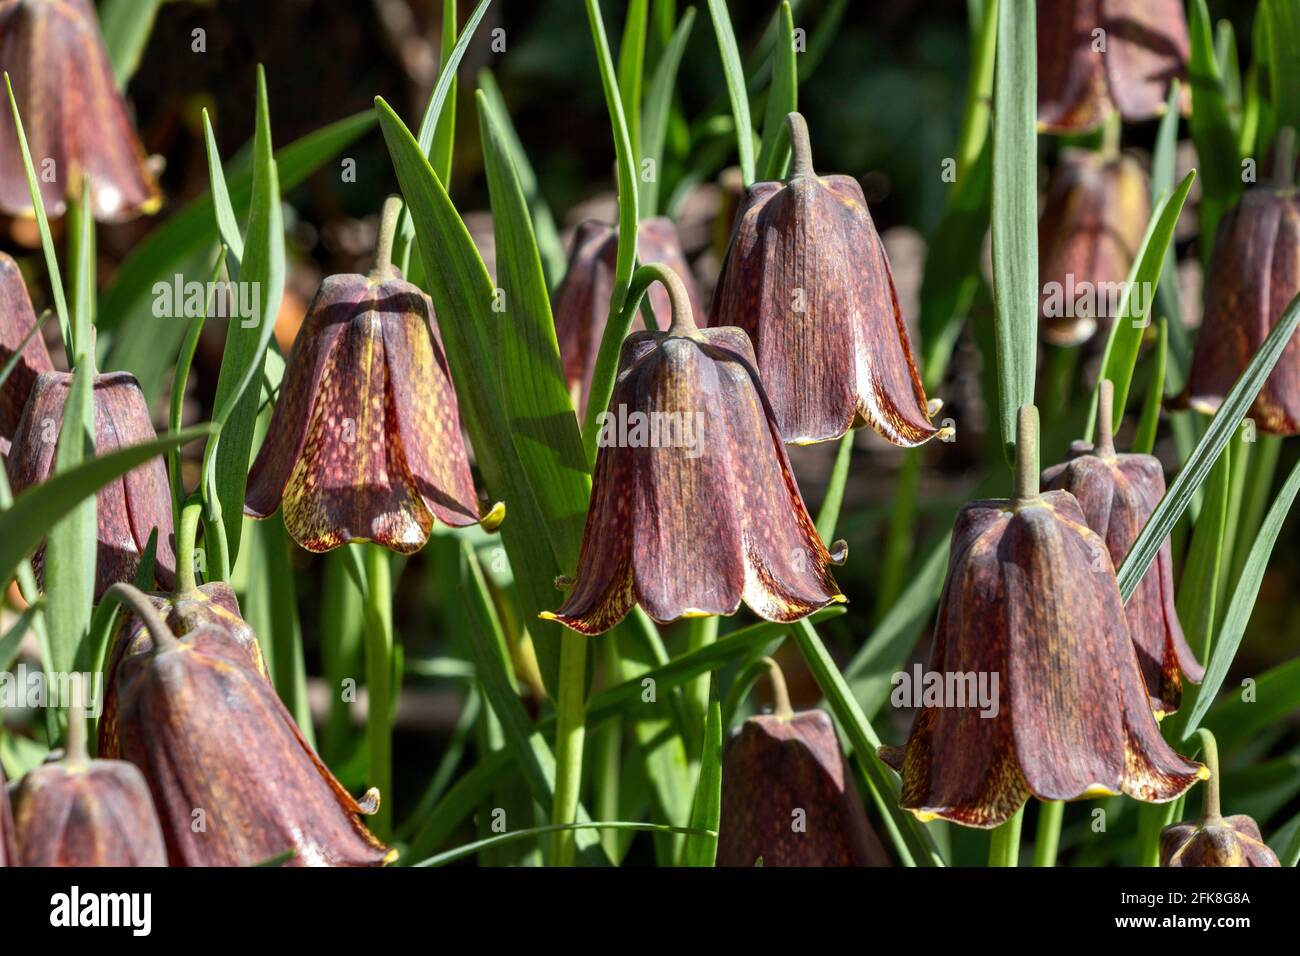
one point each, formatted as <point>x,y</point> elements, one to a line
<point>1099,56</point>
<point>365,443</point>
<point>807,278</point>
<point>75,811</point>
<point>582,299</point>
<point>8,854</point>
<point>692,518</point>
<point>1117,494</point>
<point>788,797</point>
<point>17,324</point>
<point>131,507</point>
<point>73,114</point>
<point>1024,600</point>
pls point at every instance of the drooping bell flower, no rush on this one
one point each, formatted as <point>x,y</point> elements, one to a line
<point>233,779</point>
<point>807,278</point>
<point>129,508</point>
<point>788,797</point>
<point>1117,494</point>
<point>1099,56</point>
<point>1215,840</point>
<point>365,443</point>
<point>1254,275</point>
<point>1088,235</point>
<point>1023,601</point>
<point>18,332</point>
<point>75,119</point>
<point>8,853</point>
<point>582,299</point>
<point>75,811</point>
<point>694,507</point>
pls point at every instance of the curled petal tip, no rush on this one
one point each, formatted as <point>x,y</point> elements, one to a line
<point>891,757</point>
<point>1097,790</point>
<point>369,802</point>
<point>694,612</point>
<point>1202,772</point>
<point>493,519</point>
<point>838,599</point>
<point>946,433</point>
<point>839,551</point>
<point>549,615</point>
<point>934,406</point>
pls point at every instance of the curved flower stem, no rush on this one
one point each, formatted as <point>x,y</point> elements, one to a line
<point>139,604</point>
<point>1284,147</point>
<point>780,692</point>
<point>186,535</point>
<point>1048,837</point>
<point>387,231</point>
<point>800,147</point>
<point>570,734</point>
<point>379,690</point>
<point>1211,811</point>
<point>606,370</point>
<point>74,744</point>
<point>1004,842</point>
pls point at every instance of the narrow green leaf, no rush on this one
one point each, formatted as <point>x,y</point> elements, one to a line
<point>14,636</point>
<point>28,519</point>
<point>470,849</point>
<point>226,460</point>
<point>1198,588</point>
<point>736,90</point>
<point>1125,341</point>
<point>631,68</point>
<point>227,224</point>
<point>1284,61</point>
<point>1144,439</point>
<point>1198,465</point>
<point>829,514</point>
<point>549,244</point>
<point>1242,603</point>
<point>444,136</point>
<point>782,99</point>
<point>1211,126</point>
<point>658,110</point>
<point>1015,213</point>
<point>702,850</point>
<point>126,25</point>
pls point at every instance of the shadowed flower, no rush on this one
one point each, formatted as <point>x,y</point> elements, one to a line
<point>1024,599</point>
<point>365,441</point>
<point>693,505</point>
<point>788,796</point>
<point>73,114</point>
<point>75,811</point>
<point>129,508</point>
<point>582,299</point>
<point>807,278</point>
<point>1088,235</point>
<point>18,332</point>
<point>1214,840</point>
<point>1117,494</point>
<point>8,854</point>
<point>234,781</point>
<point>1254,275</point>
<point>1099,56</point>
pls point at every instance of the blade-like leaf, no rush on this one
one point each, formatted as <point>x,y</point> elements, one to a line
<point>1207,451</point>
<point>782,99</point>
<point>126,25</point>
<point>227,223</point>
<point>736,91</point>
<point>1144,439</point>
<point>1015,213</point>
<point>658,109</point>
<point>703,850</point>
<point>1211,126</point>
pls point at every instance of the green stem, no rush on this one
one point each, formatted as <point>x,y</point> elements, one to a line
<point>1004,842</point>
<point>139,604</point>
<point>1111,135</point>
<point>900,539</point>
<point>1105,446</point>
<point>609,752</point>
<point>1284,157</point>
<point>387,230</point>
<point>979,91</point>
<point>780,691</point>
<point>829,515</point>
<point>186,535</point>
<point>1026,478</point>
<point>1048,837</point>
<point>379,691</point>
<point>700,633</point>
<point>801,165</point>
<point>1211,811</point>
<point>570,733</point>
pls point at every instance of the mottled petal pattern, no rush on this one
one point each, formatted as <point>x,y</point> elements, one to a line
<point>1228,841</point>
<point>17,320</point>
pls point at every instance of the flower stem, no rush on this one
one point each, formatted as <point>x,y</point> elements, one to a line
<point>1048,837</point>
<point>139,604</point>
<point>379,670</point>
<point>387,231</point>
<point>1105,446</point>
<point>186,535</point>
<point>1211,812</point>
<point>1004,842</point>
<point>780,692</point>
<point>1284,157</point>
<point>800,147</point>
<point>1026,480</point>
<point>570,733</point>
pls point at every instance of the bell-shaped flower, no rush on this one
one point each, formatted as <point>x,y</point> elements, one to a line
<point>806,276</point>
<point>75,119</point>
<point>693,506</point>
<point>1031,601</point>
<point>18,334</point>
